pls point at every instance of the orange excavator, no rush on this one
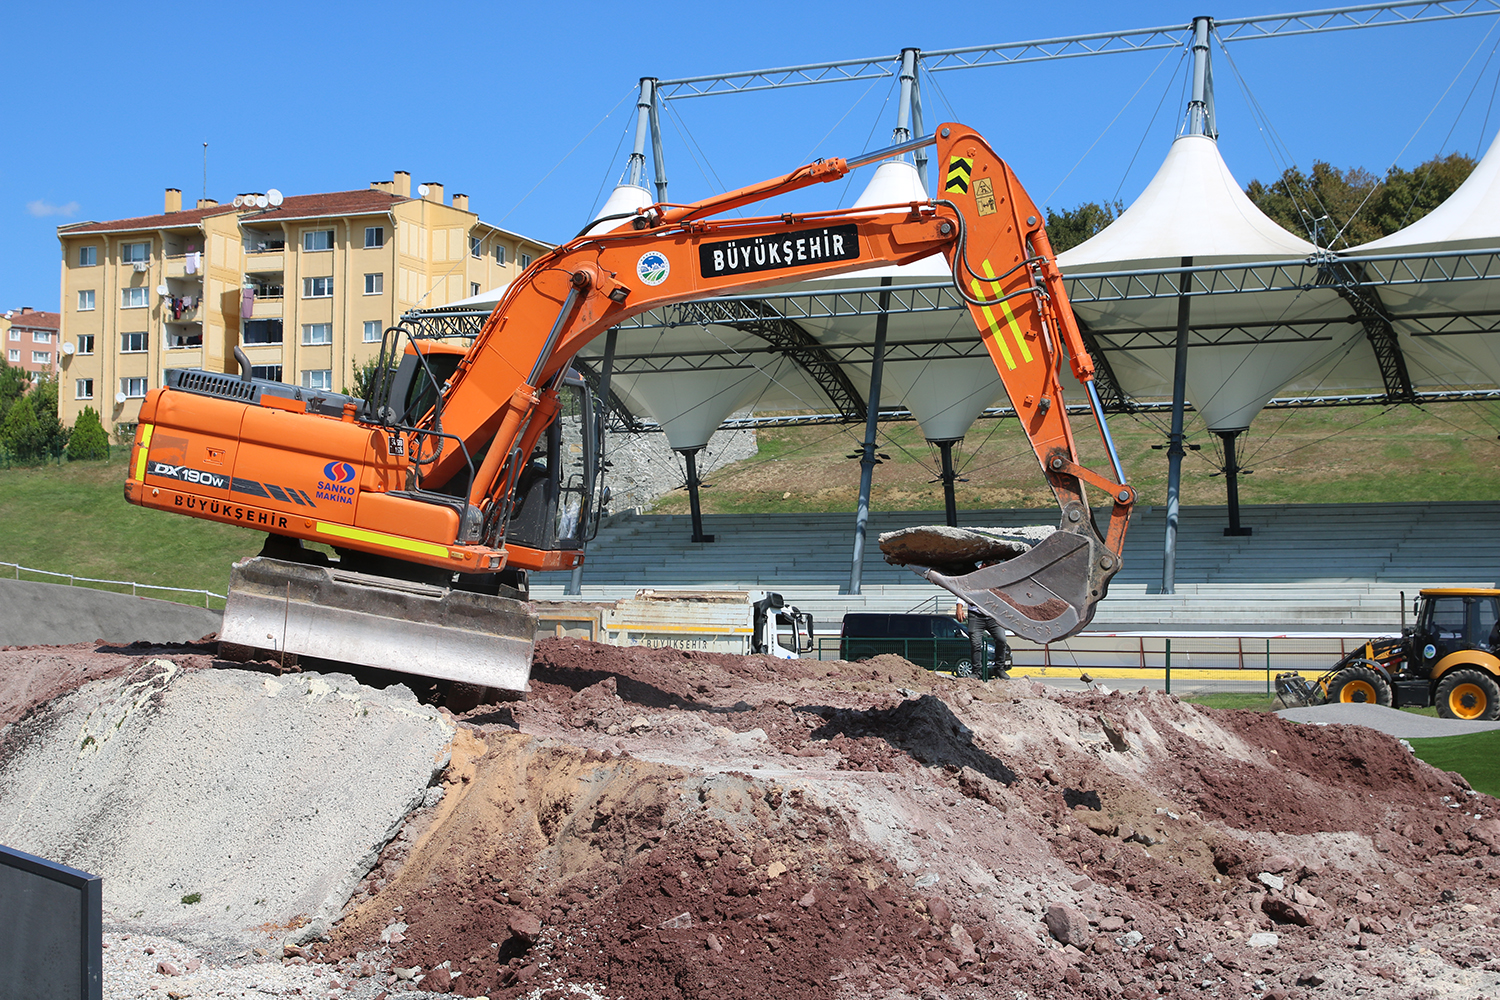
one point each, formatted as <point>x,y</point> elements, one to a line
<point>466,470</point>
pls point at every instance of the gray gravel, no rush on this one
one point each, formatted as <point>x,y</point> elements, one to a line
<point>47,614</point>
<point>1402,725</point>
<point>265,798</point>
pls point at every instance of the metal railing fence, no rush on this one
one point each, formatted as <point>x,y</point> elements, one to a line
<point>96,584</point>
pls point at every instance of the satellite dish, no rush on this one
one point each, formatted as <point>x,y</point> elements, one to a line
<point>422,190</point>
<point>274,197</point>
<point>120,398</point>
<point>162,289</point>
<point>261,201</point>
<point>239,201</point>
<point>68,348</point>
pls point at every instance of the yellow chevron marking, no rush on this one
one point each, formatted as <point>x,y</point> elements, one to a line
<point>140,458</point>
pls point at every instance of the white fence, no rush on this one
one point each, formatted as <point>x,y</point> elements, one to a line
<point>134,588</point>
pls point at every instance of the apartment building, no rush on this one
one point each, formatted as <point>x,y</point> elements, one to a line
<point>30,340</point>
<point>305,284</point>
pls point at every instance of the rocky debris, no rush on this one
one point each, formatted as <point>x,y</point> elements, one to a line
<point>807,829</point>
<point>958,550</point>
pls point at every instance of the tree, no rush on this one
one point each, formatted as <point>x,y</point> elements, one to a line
<point>21,434</point>
<point>1344,208</point>
<point>43,397</point>
<point>88,440</point>
<point>13,385</point>
<point>1071,226</point>
<point>364,378</point>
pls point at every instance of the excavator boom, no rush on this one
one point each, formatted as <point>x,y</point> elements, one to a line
<point>447,487</point>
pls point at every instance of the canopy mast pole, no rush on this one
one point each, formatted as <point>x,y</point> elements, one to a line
<point>636,171</point>
<point>1200,110</point>
<point>1174,441</point>
<point>868,461</point>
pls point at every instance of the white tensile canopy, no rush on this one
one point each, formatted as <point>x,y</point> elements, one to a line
<point>1194,208</point>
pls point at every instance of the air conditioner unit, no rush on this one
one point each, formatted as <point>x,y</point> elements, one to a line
<point>141,267</point>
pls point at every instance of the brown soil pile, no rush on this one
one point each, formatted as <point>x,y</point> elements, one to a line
<point>652,823</point>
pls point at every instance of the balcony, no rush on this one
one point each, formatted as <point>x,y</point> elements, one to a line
<point>267,307</point>
<point>176,267</point>
<point>262,258</point>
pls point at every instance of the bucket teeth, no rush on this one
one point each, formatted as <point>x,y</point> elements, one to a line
<point>376,621</point>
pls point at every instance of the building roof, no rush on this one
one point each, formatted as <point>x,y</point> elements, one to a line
<point>170,220</point>
<point>364,201</point>
<point>297,206</point>
<point>34,320</point>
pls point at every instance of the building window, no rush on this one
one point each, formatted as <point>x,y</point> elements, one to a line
<point>374,237</point>
<point>135,298</point>
<point>374,284</point>
<point>271,373</point>
<point>85,343</point>
<point>317,333</point>
<point>83,388</point>
<point>475,245</point>
<point>15,334</point>
<point>317,288</point>
<point>525,260</point>
<point>318,378</point>
<point>317,239</point>
<point>134,253</point>
<point>86,300</point>
<point>499,254</point>
<point>87,257</point>
<point>41,357</point>
<point>133,388</point>
<point>262,331</point>
<point>473,288</point>
<point>132,343</point>
<point>41,337</point>
<point>15,355</point>
<point>372,331</point>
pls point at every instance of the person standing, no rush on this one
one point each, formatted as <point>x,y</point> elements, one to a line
<point>979,624</point>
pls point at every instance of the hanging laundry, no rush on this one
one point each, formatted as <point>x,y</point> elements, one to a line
<point>191,267</point>
<point>247,302</point>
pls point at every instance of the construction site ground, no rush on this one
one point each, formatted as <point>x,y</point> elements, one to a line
<point>656,823</point>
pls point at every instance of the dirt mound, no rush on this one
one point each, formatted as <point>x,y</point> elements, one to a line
<point>651,823</point>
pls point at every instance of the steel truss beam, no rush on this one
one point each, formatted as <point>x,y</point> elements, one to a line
<point>1074,46</point>
<point>1348,278</point>
<point>757,318</point>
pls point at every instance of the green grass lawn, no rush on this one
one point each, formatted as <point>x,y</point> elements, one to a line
<point>74,519</point>
<point>1476,756</point>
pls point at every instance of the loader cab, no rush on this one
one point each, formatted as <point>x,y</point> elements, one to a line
<point>1453,620</point>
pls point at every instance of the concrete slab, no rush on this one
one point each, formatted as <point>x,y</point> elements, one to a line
<point>1393,721</point>
<point>225,808</point>
<point>48,614</point>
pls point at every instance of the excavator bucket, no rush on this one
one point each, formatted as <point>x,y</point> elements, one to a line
<point>1046,593</point>
<point>375,621</point>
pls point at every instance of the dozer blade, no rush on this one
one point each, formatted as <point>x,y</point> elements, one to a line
<point>376,621</point>
<point>1045,594</point>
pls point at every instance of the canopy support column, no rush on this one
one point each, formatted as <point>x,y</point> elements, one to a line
<point>1232,481</point>
<point>606,369</point>
<point>868,461</point>
<point>949,477</point>
<point>690,455</point>
<point>1174,441</point>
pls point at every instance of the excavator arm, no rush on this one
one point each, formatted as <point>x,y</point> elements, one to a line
<point>441,491</point>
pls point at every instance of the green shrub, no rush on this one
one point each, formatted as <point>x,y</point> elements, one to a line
<point>88,440</point>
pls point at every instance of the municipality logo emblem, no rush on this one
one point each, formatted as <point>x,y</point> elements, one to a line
<point>653,267</point>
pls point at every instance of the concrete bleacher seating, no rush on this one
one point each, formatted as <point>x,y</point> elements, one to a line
<point>1306,566</point>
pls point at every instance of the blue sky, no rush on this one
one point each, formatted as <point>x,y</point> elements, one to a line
<point>529,108</point>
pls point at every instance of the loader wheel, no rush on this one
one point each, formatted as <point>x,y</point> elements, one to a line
<point>1468,694</point>
<point>1359,685</point>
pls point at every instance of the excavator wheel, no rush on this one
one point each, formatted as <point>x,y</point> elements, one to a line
<point>1468,695</point>
<point>1361,685</point>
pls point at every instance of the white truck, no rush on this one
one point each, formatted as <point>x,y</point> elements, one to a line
<point>719,621</point>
